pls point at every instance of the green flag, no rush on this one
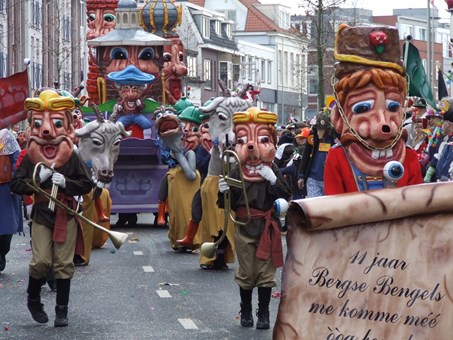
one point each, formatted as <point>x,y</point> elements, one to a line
<point>418,81</point>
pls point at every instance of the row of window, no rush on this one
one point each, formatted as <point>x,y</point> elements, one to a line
<point>206,28</point>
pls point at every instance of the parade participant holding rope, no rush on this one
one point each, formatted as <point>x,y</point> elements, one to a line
<point>368,114</point>
<point>56,234</point>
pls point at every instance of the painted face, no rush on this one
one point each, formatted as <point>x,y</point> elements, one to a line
<point>376,115</point>
<point>191,135</point>
<point>255,148</point>
<point>205,139</point>
<point>174,69</point>
<point>51,137</point>
<point>100,22</point>
<point>146,59</point>
<point>131,92</point>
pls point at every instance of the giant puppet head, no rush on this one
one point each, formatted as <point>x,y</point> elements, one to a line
<point>256,137</point>
<point>370,91</point>
<point>174,69</point>
<point>101,17</point>
<point>191,121</point>
<point>51,130</point>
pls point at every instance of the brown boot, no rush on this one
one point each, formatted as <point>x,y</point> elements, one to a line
<point>161,214</point>
<point>191,231</point>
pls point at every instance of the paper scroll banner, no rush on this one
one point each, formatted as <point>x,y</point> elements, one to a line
<point>370,265</point>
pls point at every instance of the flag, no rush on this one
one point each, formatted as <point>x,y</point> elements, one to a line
<point>13,92</point>
<point>441,86</point>
<point>419,85</point>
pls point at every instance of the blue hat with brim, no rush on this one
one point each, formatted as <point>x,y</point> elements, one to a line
<point>130,75</point>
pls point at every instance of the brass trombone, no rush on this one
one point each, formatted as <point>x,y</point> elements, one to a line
<point>208,249</point>
<point>116,237</point>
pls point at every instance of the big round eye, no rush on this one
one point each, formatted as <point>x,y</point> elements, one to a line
<point>195,129</point>
<point>109,17</point>
<point>92,17</point>
<point>146,54</point>
<point>37,123</point>
<point>58,122</point>
<point>158,115</point>
<point>118,53</point>
<point>206,125</point>
<point>362,107</point>
<point>181,56</point>
<point>392,105</point>
<point>263,139</point>
<point>167,57</point>
<point>241,140</point>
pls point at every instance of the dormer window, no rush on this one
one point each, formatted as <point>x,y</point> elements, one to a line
<point>217,27</point>
<point>227,28</point>
<point>205,27</point>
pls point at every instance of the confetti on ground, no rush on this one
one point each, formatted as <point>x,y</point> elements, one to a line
<point>133,238</point>
<point>184,292</point>
<point>113,251</point>
<point>277,295</point>
<point>163,293</point>
<point>188,324</point>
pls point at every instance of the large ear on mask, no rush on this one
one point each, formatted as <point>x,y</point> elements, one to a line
<point>336,119</point>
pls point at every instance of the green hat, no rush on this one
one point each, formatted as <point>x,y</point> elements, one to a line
<point>192,114</point>
<point>181,104</point>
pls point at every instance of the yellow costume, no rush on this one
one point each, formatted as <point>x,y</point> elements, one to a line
<point>212,221</point>
<point>180,194</point>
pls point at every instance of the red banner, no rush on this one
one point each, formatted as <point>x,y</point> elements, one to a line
<point>13,92</point>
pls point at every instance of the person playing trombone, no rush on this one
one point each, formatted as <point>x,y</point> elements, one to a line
<point>56,234</point>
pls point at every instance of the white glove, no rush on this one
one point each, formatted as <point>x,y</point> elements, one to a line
<point>267,173</point>
<point>45,173</point>
<point>59,180</point>
<point>223,185</point>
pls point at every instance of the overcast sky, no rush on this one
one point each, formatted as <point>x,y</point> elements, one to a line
<point>379,7</point>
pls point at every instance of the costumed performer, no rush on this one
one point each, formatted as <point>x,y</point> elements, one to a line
<point>258,243</point>
<point>56,234</point>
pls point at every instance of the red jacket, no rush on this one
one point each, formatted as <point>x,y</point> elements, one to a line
<point>339,179</point>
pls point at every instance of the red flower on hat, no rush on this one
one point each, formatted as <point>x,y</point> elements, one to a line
<point>378,39</point>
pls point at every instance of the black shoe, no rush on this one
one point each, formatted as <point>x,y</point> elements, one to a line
<point>246,315</point>
<point>79,261</point>
<point>61,316</point>
<point>2,262</point>
<point>37,311</point>
<point>263,319</point>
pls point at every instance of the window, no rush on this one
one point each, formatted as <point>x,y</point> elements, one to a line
<point>217,27</point>
<point>422,34</point>
<point>236,73</point>
<point>37,75</point>
<point>263,70</point>
<point>67,81</point>
<point>191,66</point>
<point>66,28</point>
<point>205,28</point>
<point>313,80</point>
<point>36,12</point>
<point>223,65</point>
<point>269,71</point>
<point>3,60</point>
<point>249,68</point>
<point>2,5</point>
<point>227,28</point>
<point>207,65</point>
<point>404,30</point>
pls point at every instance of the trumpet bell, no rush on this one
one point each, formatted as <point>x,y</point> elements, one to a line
<point>208,249</point>
<point>117,238</point>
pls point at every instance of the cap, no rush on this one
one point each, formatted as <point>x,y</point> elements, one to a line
<point>362,47</point>
<point>303,133</point>
<point>191,114</point>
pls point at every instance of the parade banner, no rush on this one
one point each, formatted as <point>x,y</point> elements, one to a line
<point>373,265</point>
<point>13,92</point>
